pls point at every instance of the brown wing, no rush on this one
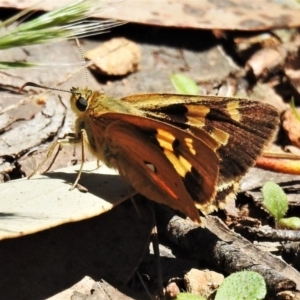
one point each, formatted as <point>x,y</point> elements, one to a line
<point>162,162</point>
<point>239,128</point>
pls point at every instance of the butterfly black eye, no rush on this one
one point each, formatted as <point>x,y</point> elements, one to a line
<point>81,104</point>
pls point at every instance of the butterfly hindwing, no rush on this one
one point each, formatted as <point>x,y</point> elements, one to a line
<point>162,162</point>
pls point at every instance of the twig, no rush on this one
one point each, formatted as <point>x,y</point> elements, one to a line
<point>274,235</point>
<point>226,250</point>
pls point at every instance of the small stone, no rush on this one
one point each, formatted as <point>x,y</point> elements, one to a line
<point>172,291</point>
<point>202,282</point>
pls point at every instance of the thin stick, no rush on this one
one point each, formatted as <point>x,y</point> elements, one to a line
<point>281,155</point>
<point>144,286</point>
<point>155,244</point>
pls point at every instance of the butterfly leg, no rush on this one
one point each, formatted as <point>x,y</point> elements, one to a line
<point>49,154</point>
<point>59,143</point>
<point>81,138</point>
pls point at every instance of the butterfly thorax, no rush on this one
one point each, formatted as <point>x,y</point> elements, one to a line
<point>91,109</point>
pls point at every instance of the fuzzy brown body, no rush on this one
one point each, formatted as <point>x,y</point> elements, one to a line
<point>188,152</point>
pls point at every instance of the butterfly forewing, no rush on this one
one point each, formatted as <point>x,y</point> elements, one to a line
<point>238,129</point>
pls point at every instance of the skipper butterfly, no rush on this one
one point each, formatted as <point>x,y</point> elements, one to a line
<point>187,152</point>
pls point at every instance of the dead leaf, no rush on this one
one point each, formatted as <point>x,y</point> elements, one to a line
<point>266,61</point>
<point>280,165</point>
<point>117,57</point>
<point>291,126</point>
<point>230,15</point>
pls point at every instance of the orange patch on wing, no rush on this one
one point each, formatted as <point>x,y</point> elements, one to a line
<point>196,114</point>
<point>189,144</point>
<point>232,108</point>
<point>165,139</point>
<point>220,135</point>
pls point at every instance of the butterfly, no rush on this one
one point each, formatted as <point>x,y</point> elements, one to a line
<point>187,152</point>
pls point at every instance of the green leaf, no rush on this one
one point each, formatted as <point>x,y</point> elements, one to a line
<point>11,65</point>
<point>189,296</point>
<point>275,200</point>
<point>246,285</point>
<point>291,223</point>
<point>184,85</point>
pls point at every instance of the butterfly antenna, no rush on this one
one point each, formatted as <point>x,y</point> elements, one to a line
<point>43,87</point>
<point>83,60</point>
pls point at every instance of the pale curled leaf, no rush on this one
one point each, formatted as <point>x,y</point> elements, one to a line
<point>204,14</point>
<point>275,200</point>
<point>43,202</point>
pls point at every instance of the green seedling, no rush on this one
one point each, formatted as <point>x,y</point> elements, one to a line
<point>247,285</point>
<point>184,85</point>
<point>276,203</point>
<point>189,296</point>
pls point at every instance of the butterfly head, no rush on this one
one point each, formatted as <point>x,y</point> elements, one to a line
<point>80,99</point>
